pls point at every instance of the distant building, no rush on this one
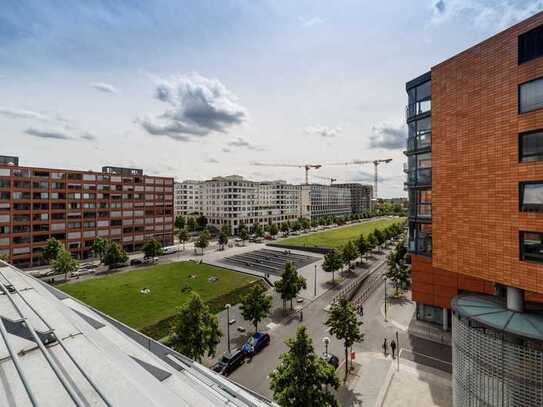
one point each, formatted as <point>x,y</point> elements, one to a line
<point>361,196</point>
<point>76,207</point>
<point>188,197</point>
<point>326,200</point>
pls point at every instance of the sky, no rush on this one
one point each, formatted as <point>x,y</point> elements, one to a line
<point>196,89</point>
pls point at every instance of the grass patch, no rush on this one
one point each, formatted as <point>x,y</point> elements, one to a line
<point>118,295</point>
<point>336,238</point>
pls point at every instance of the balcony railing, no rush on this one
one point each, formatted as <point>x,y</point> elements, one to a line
<point>419,178</point>
<point>420,107</point>
<point>419,142</point>
<point>422,211</point>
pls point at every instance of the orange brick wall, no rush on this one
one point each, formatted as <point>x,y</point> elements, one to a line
<point>475,215</point>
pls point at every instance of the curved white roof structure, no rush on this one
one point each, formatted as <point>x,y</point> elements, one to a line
<point>56,351</point>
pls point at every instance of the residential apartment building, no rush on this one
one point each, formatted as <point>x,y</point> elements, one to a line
<point>76,207</point>
<point>326,200</point>
<point>234,200</point>
<point>475,182</point>
<point>361,196</point>
<point>188,197</point>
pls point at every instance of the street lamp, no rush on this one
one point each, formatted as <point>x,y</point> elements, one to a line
<point>326,341</point>
<point>227,306</point>
<point>315,283</point>
<point>385,299</point>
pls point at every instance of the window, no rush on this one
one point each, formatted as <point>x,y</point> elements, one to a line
<point>531,246</point>
<point>531,95</point>
<point>530,45</point>
<point>531,146</point>
<point>531,196</point>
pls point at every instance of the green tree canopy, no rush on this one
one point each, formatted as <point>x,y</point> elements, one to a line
<point>64,263</point>
<point>302,378</point>
<point>243,234</point>
<point>285,227</point>
<point>115,254</point>
<point>372,241</point>
<point>379,236</point>
<point>332,262</point>
<point>201,221</point>
<point>196,330</point>
<point>180,222</point>
<point>256,305</point>
<point>349,253</point>
<point>398,271</point>
<point>290,284</point>
<point>52,250</point>
<point>362,246</point>
<point>191,224</point>
<point>99,247</point>
<point>273,229</point>
<point>183,237</point>
<point>223,240</point>
<point>226,229</point>
<point>152,248</point>
<point>345,326</point>
<point>203,241</point>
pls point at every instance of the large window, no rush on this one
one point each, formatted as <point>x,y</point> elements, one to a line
<point>420,99</point>
<point>531,196</point>
<point>531,95</point>
<point>531,246</point>
<point>530,45</point>
<point>531,146</point>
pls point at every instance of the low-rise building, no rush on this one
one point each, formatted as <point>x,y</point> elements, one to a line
<point>76,207</point>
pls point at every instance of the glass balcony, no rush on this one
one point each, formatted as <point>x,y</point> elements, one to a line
<point>419,107</point>
<point>419,142</point>
<point>419,178</point>
<point>420,239</point>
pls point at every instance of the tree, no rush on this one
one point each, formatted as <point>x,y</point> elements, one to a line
<point>296,226</point>
<point>223,240</point>
<point>314,223</point>
<point>226,229</point>
<point>274,229</point>
<point>201,221</point>
<point>114,254</point>
<point>52,250</point>
<point>256,305</point>
<point>379,237</point>
<point>180,222</point>
<point>362,246</point>
<point>183,237</point>
<point>99,247</point>
<point>203,241</point>
<point>285,228</point>
<point>398,271</point>
<point>152,248</point>
<point>349,253</point>
<point>332,262</point>
<point>258,231</point>
<point>372,241</point>
<point>4,257</point>
<point>244,235</point>
<point>306,224</point>
<point>290,284</point>
<point>303,378</point>
<point>191,224</point>
<point>345,326</point>
<point>196,330</point>
<point>64,263</point>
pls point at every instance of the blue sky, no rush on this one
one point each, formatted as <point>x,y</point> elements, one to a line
<point>195,89</point>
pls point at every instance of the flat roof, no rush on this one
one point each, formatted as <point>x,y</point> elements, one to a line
<point>56,351</point>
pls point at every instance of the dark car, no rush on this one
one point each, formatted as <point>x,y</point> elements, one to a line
<point>136,262</point>
<point>229,362</point>
<point>255,343</point>
<point>117,266</point>
<point>331,359</point>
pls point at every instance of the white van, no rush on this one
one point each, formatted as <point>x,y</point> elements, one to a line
<point>169,250</point>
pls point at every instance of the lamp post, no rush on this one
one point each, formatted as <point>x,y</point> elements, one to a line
<point>386,299</point>
<point>326,341</point>
<point>315,283</point>
<point>227,306</point>
<point>398,347</point>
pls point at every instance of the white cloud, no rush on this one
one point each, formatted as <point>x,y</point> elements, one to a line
<point>390,136</point>
<point>23,114</point>
<point>47,133</point>
<point>310,21</point>
<point>105,87</point>
<point>485,14</point>
<point>212,161</point>
<point>240,143</point>
<point>199,106</point>
<point>323,131</point>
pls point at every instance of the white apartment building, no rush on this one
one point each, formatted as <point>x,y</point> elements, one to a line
<point>325,200</point>
<point>234,200</point>
<point>188,197</point>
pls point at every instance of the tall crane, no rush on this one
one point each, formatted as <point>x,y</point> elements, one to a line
<point>307,167</point>
<point>375,164</point>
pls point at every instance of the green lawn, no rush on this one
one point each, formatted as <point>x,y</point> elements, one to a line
<point>336,238</point>
<point>118,295</point>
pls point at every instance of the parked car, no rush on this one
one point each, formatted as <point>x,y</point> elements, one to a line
<point>229,362</point>
<point>331,359</point>
<point>150,260</point>
<point>117,266</point>
<point>170,249</point>
<point>256,343</point>
<point>136,262</point>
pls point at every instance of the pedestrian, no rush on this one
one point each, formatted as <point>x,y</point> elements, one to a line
<point>393,348</point>
<point>385,347</point>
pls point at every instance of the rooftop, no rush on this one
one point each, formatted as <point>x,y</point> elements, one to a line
<point>56,351</point>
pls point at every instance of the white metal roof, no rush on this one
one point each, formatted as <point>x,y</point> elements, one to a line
<point>56,351</point>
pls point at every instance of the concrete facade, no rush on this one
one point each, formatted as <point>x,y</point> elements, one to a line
<point>361,197</point>
<point>188,197</point>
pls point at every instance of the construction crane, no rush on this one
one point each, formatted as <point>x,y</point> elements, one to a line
<point>307,167</point>
<point>332,180</point>
<point>375,164</point>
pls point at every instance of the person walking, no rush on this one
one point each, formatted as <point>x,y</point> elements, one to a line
<point>393,348</point>
<point>385,347</point>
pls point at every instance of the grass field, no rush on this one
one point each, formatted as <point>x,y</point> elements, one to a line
<point>118,295</point>
<point>336,238</point>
